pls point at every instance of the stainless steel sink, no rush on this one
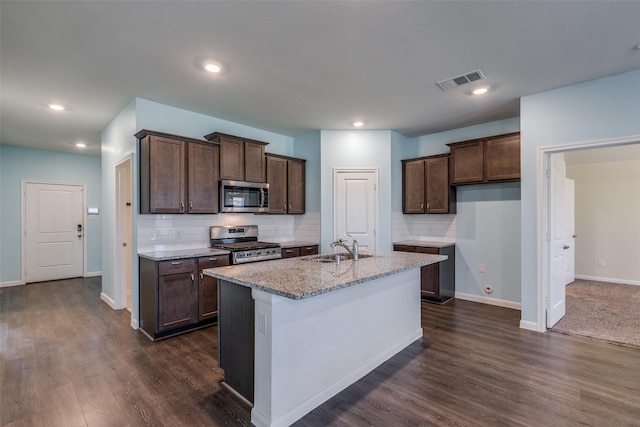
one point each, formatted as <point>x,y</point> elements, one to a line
<point>334,258</point>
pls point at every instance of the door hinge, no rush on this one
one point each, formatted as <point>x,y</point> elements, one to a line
<point>547,173</point>
<point>548,237</point>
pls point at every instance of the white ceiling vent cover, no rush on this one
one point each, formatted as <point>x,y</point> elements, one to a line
<point>454,82</point>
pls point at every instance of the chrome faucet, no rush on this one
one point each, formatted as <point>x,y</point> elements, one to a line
<point>353,250</point>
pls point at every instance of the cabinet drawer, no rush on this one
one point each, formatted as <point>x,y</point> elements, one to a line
<point>213,261</point>
<point>290,252</point>
<point>424,250</point>
<point>176,266</point>
<point>309,250</point>
<point>404,248</point>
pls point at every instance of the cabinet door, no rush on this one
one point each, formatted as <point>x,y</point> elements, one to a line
<point>203,177</point>
<point>231,159</point>
<point>208,286</point>
<point>437,185</point>
<point>295,186</point>
<point>429,275</point>
<point>502,158</point>
<point>413,187</point>
<point>290,252</point>
<point>177,300</point>
<point>467,162</point>
<point>277,180</point>
<point>167,164</point>
<point>254,165</point>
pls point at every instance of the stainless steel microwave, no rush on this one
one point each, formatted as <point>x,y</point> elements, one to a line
<point>240,196</point>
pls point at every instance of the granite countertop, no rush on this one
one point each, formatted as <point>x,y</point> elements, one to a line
<point>181,253</point>
<point>298,278</point>
<point>296,244</point>
<point>425,243</point>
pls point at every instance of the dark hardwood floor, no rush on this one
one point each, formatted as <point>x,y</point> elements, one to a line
<point>67,359</point>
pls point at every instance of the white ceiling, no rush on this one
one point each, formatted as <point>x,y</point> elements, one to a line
<point>296,66</point>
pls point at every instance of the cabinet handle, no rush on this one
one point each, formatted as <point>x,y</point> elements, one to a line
<point>289,251</point>
<point>201,276</point>
<point>421,206</point>
<point>190,205</point>
<point>181,206</point>
<point>309,248</point>
<point>289,207</point>
<point>285,206</point>
<point>176,263</point>
<point>193,279</point>
<point>213,259</point>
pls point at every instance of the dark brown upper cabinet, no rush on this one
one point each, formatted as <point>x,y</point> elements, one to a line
<point>486,160</point>
<point>425,186</point>
<point>241,159</point>
<point>177,174</point>
<point>286,179</point>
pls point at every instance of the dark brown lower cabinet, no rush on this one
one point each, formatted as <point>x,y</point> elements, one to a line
<point>296,251</point>
<point>173,297</point>
<point>208,289</point>
<point>437,281</point>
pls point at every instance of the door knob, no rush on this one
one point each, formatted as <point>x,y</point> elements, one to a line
<point>566,247</point>
<point>575,235</point>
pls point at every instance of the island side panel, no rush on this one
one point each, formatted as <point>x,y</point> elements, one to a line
<point>236,337</point>
<point>311,349</point>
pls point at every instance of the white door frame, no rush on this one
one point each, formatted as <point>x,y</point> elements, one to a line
<point>376,217</point>
<point>543,259</point>
<point>23,224</point>
<point>120,288</point>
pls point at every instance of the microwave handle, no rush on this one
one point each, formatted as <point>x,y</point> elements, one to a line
<point>262,197</point>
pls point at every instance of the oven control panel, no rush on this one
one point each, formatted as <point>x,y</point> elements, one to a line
<point>254,255</point>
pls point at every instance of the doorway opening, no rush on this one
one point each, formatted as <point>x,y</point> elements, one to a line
<point>550,283</point>
<point>123,244</point>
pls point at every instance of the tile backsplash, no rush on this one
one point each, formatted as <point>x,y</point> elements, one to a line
<point>439,228</point>
<point>170,232</point>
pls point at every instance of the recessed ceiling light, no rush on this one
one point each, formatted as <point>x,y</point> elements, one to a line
<point>358,124</point>
<point>57,107</point>
<point>480,90</point>
<point>213,67</point>
<point>81,145</point>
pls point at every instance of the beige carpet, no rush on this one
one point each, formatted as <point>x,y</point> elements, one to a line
<point>605,311</point>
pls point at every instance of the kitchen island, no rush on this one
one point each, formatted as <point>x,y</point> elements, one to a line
<point>295,332</point>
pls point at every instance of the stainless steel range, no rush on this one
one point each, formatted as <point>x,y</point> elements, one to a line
<point>242,241</point>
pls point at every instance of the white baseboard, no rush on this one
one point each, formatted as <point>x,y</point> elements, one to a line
<point>106,298</point>
<point>530,326</point>
<point>134,324</point>
<point>489,300</point>
<point>93,274</point>
<point>12,283</point>
<point>609,280</point>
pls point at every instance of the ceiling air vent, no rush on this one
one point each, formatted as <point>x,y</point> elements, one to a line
<point>454,82</point>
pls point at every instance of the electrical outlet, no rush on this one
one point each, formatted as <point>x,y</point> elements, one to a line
<point>481,267</point>
<point>153,235</point>
<point>262,323</point>
<point>600,263</point>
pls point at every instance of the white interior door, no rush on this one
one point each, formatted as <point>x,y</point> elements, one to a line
<point>556,241</point>
<point>569,231</point>
<point>355,205</point>
<point>124,241</point>
<point>54,231</point>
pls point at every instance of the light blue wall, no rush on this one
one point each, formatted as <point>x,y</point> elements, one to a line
<point>399,150</point>
<point>308,147</point>
<point>487,218</point>
<point>356,149</point>
<point>600,109</point>
<point>17,164</point>
<point>164,118</point>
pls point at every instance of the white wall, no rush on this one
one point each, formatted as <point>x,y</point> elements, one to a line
<point>597,110</point>
<point>607,219</point>
<point>356,149</point>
